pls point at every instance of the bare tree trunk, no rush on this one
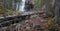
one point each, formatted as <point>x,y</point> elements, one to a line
<point>53,2</point>
<point>13,4</point>
<point>47,8</point>
<point>18,5</point>
<point>4,3</point>
<point>57,11</point>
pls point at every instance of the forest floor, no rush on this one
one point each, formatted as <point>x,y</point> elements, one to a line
<point>35,23</point>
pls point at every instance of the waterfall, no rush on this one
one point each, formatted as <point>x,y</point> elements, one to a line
<point>21,8</point>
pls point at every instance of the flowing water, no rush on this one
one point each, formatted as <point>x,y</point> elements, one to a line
<point>21,6</point>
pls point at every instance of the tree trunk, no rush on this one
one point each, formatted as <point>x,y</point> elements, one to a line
<point>13,4</point>
<point>57,11</point>
<point>4,3</point>
<point>48,13</point>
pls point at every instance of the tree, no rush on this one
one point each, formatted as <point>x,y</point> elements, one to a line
<point>57,11</point>
<point>38,4</point>
<point>47,8</point>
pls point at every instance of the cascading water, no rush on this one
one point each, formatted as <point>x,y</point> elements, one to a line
<point>24,5</point>
<point>21,8</point>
